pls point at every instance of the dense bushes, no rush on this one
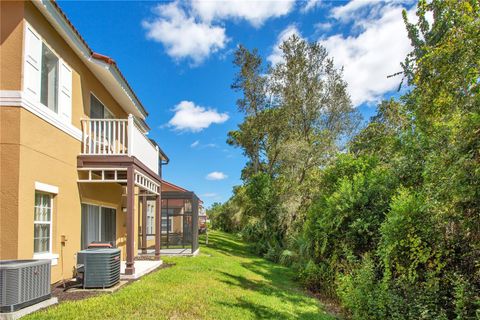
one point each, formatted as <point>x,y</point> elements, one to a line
<point>391,227</point>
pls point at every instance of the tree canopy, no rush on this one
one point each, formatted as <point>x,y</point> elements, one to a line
<point>386,217</point>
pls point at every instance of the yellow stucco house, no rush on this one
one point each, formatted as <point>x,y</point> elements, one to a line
<point>76,165</point>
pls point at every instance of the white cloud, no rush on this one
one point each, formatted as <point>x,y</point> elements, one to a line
<point>182,35</point>
<point>256,12</point>
<point>276,56</point>
<point>373,54</point>
<point>190,117</point>
<point>210,195</point>
<point>357,9</point>
<point>216,175</point>
<point>196,144</point>
<point>351,9</point>
<point>323,26</point>
<point>310,5</point>
<point>191,30</point>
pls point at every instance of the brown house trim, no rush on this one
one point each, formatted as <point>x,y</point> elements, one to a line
<point>105,161</point>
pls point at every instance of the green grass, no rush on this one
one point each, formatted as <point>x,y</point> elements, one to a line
<point>225,281</point>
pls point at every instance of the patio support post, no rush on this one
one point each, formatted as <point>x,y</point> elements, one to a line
<point>194,224</point>
<point>144,224</point>
<point>158,224</point>
<point>130,268</point>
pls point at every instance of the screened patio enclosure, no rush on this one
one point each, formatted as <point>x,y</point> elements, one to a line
<point>179,227</point>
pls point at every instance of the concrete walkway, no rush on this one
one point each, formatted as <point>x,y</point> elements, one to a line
<point>173,252</point>
<point>142,267</point>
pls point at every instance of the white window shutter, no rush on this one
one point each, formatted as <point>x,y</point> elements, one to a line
<point>32,64</point>
<point>65,92</point>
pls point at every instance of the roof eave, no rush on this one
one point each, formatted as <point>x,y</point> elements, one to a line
<point>52,11</point>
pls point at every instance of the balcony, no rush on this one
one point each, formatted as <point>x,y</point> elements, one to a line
<point>119,137</point>
<point>118,151</point>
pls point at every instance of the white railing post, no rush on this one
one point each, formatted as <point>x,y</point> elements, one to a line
<point>84,135</point>
<point>130,135</point>
<point>119,137</point>
<point>158,157</point>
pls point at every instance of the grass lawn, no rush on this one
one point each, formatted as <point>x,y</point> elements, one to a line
<point>225,281</point>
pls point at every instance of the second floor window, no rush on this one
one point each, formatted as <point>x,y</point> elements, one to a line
<point>98,110</point>
<point>49,79</point>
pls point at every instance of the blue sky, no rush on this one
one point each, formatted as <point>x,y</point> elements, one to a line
<point>177,56</point>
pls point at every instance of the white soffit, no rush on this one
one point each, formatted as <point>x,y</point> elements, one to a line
<point>107,76</point>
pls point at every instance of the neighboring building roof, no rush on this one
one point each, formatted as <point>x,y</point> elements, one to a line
<point>180,189</point>
<point>174,186</point>
<point>52,11</point>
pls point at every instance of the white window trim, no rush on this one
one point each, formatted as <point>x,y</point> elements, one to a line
<point>21,98</point>
<point>60,61</point>
<point>100,205</point>
<point>151,208</point>
<point>43,187</point>
<point>47,255</point>
<point>17,98</point>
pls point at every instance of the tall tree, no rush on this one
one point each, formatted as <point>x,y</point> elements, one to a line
<point>252,83</point>
<point>312,95</point>
<point>297,115</point>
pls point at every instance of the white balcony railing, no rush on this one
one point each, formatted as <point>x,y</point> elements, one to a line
<point>118,137</point>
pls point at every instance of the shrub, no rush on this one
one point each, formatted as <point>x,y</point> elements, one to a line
<point>287,258</point>
<point>466,300</point>
<point>273,253</point>
<point>361,292</point>
<point>408,244</point>
<point>317,277</point>
<point>343,224</point>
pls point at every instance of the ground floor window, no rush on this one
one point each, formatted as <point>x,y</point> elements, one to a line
<point>42,240</point>
<point>150,224</point>
<point>167,222</point>
<point>98,224</point>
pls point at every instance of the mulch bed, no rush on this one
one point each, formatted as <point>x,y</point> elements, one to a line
<point>58,291</point>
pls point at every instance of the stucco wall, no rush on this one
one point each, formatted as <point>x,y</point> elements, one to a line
<point>27,157</point>
<point>11,35</point>
<point>9,175</point>
<point>32,150</point>
<point>42,161</point>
